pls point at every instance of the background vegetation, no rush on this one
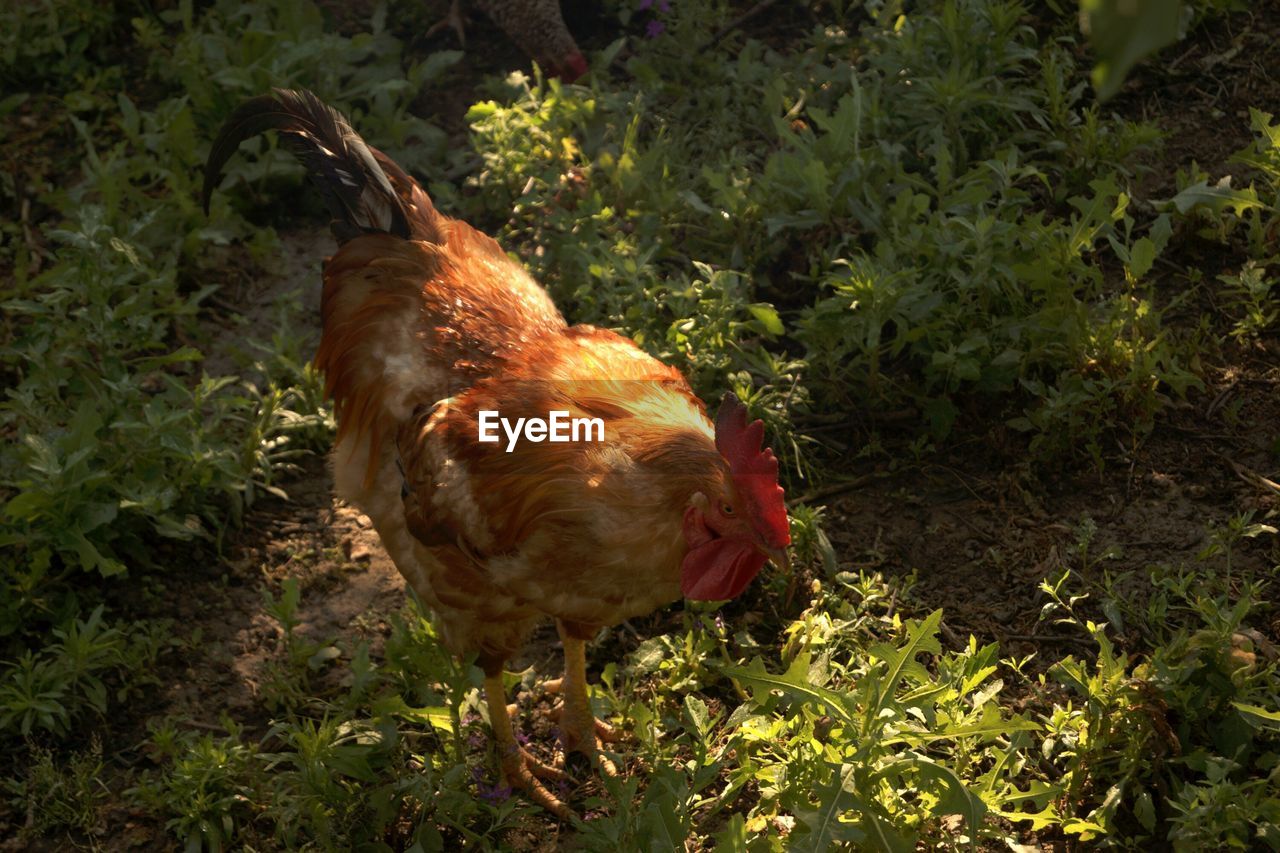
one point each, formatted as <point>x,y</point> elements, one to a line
<point>857,212</point>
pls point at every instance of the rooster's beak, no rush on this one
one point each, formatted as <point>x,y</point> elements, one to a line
<point>779,557</point>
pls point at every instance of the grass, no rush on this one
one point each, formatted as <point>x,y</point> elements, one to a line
<point>924,213</point>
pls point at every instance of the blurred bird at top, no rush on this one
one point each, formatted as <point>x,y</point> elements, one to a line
<point>536,26</point>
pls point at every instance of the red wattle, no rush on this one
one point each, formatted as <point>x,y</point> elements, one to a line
<point>719,569</point>
<point>573,68</point>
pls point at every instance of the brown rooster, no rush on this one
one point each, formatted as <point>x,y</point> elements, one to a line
<point>536,26</point>
<point>430,333</point>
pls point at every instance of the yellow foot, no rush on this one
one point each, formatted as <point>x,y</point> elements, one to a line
<point>521,770</point>
<point>604,731</point>
<point>581,732</point>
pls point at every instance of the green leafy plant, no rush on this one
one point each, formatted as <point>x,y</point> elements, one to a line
<point>60,795</point>
<point>855,753</point>
<point>73,674</point>
<point>1159,736</point>
<point>207,792</point>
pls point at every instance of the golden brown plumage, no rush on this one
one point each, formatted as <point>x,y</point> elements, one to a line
<point>427,324</point>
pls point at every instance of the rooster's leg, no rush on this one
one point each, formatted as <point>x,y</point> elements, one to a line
<point>519,768</point>
<point>453,20</point>
<point>605,732</point>
<point>579,729</point>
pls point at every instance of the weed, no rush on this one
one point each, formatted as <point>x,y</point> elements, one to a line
<point>60,795</point>
<point>207,792</point>
<point>1193,721</point>
<point>1249,293</point>
<point>50,689</point>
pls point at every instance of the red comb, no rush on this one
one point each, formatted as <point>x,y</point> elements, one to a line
<point>755,471</point>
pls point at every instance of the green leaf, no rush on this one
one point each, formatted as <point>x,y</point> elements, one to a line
<point>436,716</point>
<point>25,506</point>
<point>733,838</point>
<point>795,683</point>
<point>94,515</point>
<point>941,413</point>
<point>696,710</point>
<point>767,315</point>
<point>953,796</point>
<point>1141,257</point>
<point>91,558</point>
<point>825,829</point>
<point>1161,230</point>
<point>1082,827</point>
<point>11,103</point>
<point>1216,199</point>
<point>648,656</point>
<point>480,111</point>
<point>128,115</point>
<point>921,637</point>
<point>1145,811</point>
<point>351,761</point>
<point>1124,31</point>
<point>991,726</point>
<point>84,425</point>
<point>885,836</point>
<point>1046,817</point>
<point>1259,716</point>
<point>695,201</point>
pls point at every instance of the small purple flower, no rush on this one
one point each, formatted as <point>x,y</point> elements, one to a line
<point>476,738</point>
<point>522,738</point>
<point>653,29</point>
<point>487,792</point>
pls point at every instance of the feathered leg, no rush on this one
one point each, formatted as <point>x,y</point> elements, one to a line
<point>580,731</point>
<point>519,768</point>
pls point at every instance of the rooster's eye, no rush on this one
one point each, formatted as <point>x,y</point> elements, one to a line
<point>726,509</point>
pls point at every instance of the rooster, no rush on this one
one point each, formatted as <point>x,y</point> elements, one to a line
<point>536,26</point>
<point>429,328</point>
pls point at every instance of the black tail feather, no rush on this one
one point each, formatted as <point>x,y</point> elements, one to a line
<point>355,188</point>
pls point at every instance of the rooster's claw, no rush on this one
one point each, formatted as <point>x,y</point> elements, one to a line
<point>580,731</point>
<point>522,770</point>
